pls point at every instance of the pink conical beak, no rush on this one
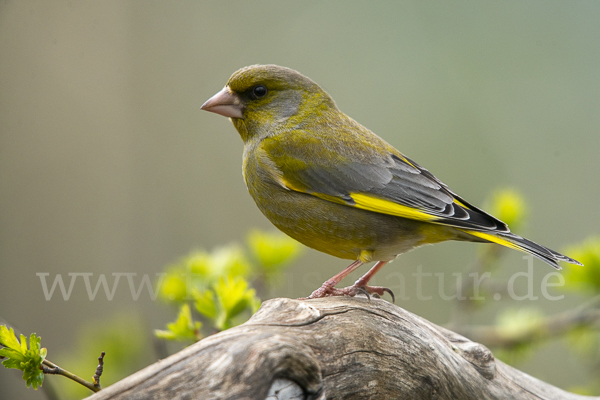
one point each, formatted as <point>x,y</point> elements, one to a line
<point>225,103</point>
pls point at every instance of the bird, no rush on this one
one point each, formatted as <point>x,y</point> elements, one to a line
<point>333,185</point>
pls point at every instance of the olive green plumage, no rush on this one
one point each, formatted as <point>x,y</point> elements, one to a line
<point>332,184</point>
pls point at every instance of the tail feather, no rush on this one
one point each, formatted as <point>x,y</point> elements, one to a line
<point>525,245</point>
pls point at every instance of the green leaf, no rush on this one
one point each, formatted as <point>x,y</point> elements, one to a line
<point>515,322</point>
<point>229,260</point>
<point>208,278</point>
<point>173,288</point>
<point>509,206</point>
<point>184,328</point>
<point>234,297</point>
<point>274,251</point>
<point>222,261</point>
<point>205,303</point>
<point>13,358</point>
<point>9,339</point>
<point>198,263</point>
<point>588,276</point>
<point>199,270</point>
<point>18,356</point>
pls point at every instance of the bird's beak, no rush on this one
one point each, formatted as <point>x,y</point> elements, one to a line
<point>225,103</point>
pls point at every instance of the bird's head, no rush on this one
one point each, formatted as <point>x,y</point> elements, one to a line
<point>261,99</point>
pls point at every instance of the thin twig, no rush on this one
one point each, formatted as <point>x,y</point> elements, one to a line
<point>53,369</point>
<point>99,370</point>
<point>587,314</point>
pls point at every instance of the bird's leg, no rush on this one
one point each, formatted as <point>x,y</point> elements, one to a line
<point>363,280</point>
<point>328,287</point>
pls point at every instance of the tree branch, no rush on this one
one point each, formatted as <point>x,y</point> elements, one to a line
<point>333,348</point>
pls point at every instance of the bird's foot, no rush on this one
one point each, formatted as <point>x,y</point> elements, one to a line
<point>327,290</point>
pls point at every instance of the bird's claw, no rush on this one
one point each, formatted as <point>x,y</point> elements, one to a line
<point>351,291</point>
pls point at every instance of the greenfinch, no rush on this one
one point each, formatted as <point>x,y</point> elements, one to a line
<point>335,186</point>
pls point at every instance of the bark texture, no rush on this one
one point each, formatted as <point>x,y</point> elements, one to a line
<point>333,348</point>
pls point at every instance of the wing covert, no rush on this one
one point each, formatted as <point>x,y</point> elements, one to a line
<point>387,183</point>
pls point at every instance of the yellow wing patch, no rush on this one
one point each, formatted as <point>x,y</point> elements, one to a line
<point>461,204</point>
<point>494,239</point>
<point>370,203</point>
<point>288,185</point>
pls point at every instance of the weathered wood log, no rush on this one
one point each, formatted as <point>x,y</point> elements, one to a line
<point>333,348</point>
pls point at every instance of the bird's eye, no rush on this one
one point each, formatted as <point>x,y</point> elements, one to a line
<point>259,91</point>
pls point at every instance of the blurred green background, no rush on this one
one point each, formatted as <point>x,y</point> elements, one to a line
<point>107,164</point>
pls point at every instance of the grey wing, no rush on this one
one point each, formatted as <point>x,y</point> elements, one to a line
<point>402,181</point>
